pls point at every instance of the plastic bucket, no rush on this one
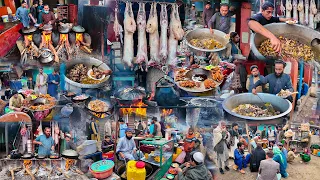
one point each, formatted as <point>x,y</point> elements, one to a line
<point>5,18</point>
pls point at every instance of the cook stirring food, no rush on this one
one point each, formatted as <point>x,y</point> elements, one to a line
<point>277,81</point>
<point>257,22</point>
<point>45,142</point>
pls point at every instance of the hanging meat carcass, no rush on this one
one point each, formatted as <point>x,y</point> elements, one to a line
<point>295,9</point>
<point>261,3</point>
<point>142,55</point>
<point>306,18</point>
<point>129,29</point>
<point>164,34</point>
<point>301,11</point>
<point>313,12</point>
<point>288,8</point>
<point>176,33</point>
<point>282,8</point>
<point>117,28</point>
<point>154,41</point>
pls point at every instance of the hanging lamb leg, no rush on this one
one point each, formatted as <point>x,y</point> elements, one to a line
<point>301,11</point>
<point>142,56</point>
<point>295,9</point>
<point>288,8</point>
<point>154,41</point>
<point>129,29</point>
<point>164,34</point>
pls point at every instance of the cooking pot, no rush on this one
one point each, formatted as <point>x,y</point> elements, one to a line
<point>27,156</point>
<point>166,95</point>
<point>46,56</point>
<point>130,95</point>
<point>70,154</point>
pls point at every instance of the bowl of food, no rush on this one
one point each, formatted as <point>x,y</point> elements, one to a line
<point>80,98</point>
<point>96,75</point>
<point>174,165</point>
<point>97,106</point>
<point>77,74</point>
<point>292,22</point>
<point>285,93</point>
<point>170,176</point>
<point>202,40</point>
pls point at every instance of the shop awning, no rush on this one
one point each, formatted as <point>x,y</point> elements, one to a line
<point>15,117</point>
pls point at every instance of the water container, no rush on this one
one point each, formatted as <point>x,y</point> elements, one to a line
<point>131,169</point>
<point>141,172</point>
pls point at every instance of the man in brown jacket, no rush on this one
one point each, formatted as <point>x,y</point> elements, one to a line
<point>48,16</point>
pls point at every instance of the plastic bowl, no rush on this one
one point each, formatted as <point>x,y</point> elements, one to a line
<point>100,173</point>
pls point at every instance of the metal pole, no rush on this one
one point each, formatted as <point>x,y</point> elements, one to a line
<point>6,138</point>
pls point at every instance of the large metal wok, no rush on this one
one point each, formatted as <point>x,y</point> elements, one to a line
<point>297,32</point>
<point>205,33</point>
<point>88,62</point>
<point>279,104</point>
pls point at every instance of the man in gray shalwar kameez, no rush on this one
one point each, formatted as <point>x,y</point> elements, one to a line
<point>220,138</point>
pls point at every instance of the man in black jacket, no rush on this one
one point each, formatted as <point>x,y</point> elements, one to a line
<point>257,155</point>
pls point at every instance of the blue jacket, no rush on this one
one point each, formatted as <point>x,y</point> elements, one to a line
<point>238,157</point>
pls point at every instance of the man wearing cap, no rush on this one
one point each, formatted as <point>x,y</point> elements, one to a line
<point>253,78</point>
<point>221,20</point>
<point>257,155</point>
<point>277,80</point>
<point>23,14</point>
<point>193,13</point>
<point>69,143</point>
<point>194,169</point>
<point>207,14</point>
<point>126,148</point>
<point>122,128</point>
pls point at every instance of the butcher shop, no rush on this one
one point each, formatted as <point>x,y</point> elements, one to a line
<point>159,89</point>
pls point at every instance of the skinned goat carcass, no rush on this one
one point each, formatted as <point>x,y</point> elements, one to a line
<point>117,28</point>
<point>282,9</point>
<point>154,41</point>
<point>288,8</point>
<point>301,11</point>
<point>176,33</point>
<point>261,3</point>
<point>164,34</point>
<point>306,12</point>
<point>295,9</point>
<point>129,29</point>
<point>313,12</point>
<point>142,55</point>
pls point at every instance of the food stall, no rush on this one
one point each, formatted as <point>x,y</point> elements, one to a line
<point>160,157</point>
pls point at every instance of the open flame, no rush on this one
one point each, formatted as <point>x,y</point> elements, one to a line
<point>141,111</point>
<point>79,37</point>
<point>27,164</point>
<point>29,37</point>
<point>47,37</point>
<point>166,112</point>
<point>63,37</point>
